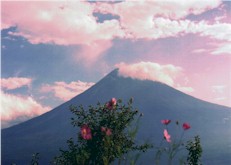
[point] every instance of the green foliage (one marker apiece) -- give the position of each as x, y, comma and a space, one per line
35, 159
106, 133
194, 151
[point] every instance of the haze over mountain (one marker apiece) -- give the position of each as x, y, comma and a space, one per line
45, 134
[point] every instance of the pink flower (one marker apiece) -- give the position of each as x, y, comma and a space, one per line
86, 132
186, 126
111, 103
167, 136
107, 131
166, 122
103, 129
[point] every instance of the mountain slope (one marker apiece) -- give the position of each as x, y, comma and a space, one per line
46, 133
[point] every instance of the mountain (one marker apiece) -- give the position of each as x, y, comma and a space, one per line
45, 134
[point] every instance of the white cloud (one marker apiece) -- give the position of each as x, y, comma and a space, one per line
174, 9
220, 31
65, 91
168, 74
185, 89
220, 98
150, 71
222, 49
160, 19
218, 88
221, 94
199, 51
16, 109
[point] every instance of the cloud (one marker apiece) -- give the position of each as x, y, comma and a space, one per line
160, 19
134, 11
74, 23
16, 109
221, 94
150, 71
220, 98
15, 82
185, 89
61, 23
91, 53
218, 88
64, 91
222, 49
168, 74
199, 51
219, 31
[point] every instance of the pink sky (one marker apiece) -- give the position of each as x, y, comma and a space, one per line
185, 44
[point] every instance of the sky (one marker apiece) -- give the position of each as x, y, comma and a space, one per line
52, 51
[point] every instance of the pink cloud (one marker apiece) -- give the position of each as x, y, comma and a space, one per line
65, 24
73, 22
59, 23
150, 71
5, 26
16, 109
15, 82
90, 53
62, 23
212, 83
64, 91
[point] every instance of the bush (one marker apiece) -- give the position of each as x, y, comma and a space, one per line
107, 132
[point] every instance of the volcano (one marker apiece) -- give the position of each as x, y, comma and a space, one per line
45, 134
